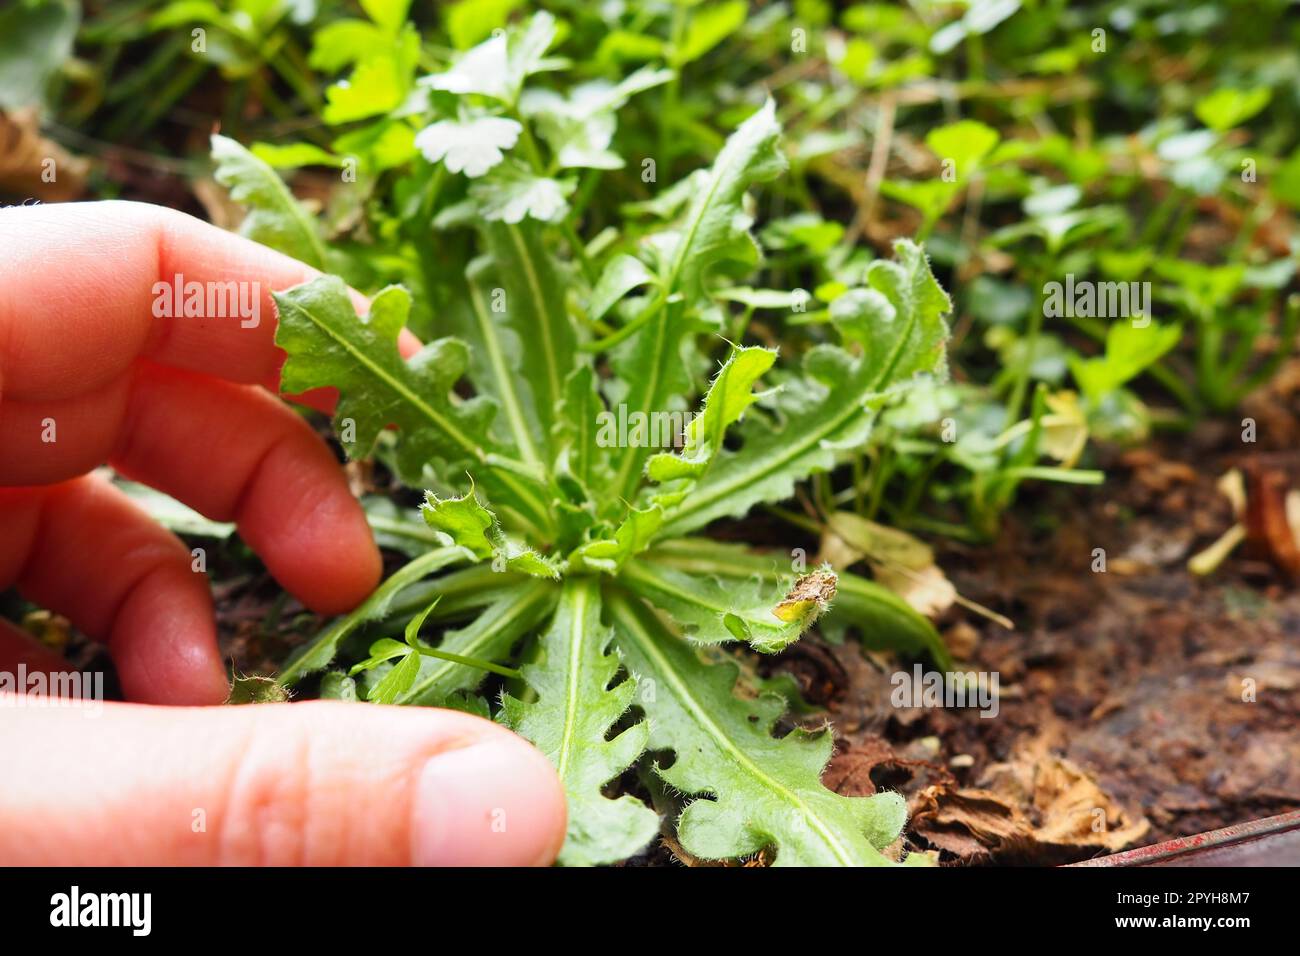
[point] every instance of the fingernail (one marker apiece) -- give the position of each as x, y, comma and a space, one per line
492, 803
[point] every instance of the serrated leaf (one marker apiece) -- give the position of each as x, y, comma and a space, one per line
715, 225
329, 346
481, 70
859, 313
579, 127
475, 528
714, 229
836, 404
754, 790
633, 535
770, 617
570, 720
273, 218
884, 620
472, 146
498, 66
729, 394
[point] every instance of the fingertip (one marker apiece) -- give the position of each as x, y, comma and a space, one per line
495, 802
314, 537
322, 783
164, 641
408, 344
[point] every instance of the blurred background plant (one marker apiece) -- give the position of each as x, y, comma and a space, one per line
1020, 141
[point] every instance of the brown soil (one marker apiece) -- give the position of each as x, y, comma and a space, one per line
1137, 704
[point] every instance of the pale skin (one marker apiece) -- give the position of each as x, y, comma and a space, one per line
189, 406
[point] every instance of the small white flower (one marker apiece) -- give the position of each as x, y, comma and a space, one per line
541, 199
469, 146
512, 193
480, 70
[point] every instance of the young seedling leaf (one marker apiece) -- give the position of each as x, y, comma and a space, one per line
489, 637
476, 529
318, 654
730, 393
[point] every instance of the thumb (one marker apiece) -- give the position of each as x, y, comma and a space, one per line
320, 783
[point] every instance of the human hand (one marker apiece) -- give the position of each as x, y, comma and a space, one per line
89, 375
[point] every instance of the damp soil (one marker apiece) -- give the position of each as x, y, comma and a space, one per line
1138, 703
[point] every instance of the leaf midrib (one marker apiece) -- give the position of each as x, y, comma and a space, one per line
548, 346
701, 717
578, 612
502, 474
679, 261
392, 382
505, 381
651, 395
679, 258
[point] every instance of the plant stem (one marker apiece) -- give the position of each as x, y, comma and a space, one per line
631, 328
426, 651
1020, 386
